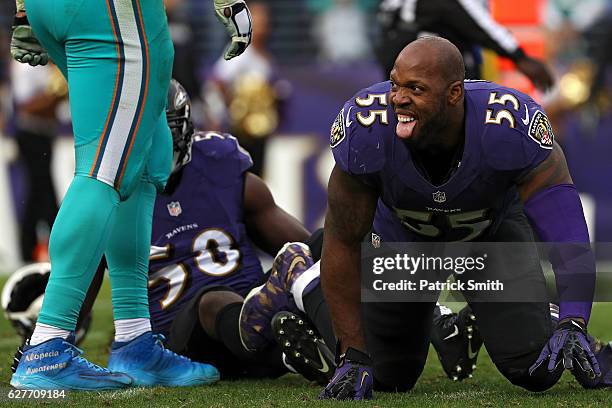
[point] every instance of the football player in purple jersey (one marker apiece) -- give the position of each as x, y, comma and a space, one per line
429, 157
203, 262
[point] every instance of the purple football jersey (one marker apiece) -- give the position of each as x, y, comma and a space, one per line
199, 237
507, 134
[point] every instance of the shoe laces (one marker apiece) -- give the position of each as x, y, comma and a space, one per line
76, 353
159, 341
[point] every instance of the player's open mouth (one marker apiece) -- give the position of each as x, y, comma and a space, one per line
405, 125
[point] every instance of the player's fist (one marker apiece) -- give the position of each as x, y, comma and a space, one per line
353, 378
25, 47
236, 18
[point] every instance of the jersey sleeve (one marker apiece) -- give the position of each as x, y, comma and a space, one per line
521, 142
357, 133
220, 158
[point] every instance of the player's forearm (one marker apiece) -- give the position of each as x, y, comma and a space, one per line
41, 105
272, 227
351, 207
268, 225
341, 284
557, 217
553, 207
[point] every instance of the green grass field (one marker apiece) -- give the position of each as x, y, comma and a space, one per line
487, 389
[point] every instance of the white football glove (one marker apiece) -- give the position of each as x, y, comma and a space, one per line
236, 18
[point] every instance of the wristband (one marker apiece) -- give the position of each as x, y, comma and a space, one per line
354, 355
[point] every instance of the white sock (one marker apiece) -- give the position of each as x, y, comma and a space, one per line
129, 329
297, 289
43, 332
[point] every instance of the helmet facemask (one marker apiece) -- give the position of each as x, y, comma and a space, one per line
178, 115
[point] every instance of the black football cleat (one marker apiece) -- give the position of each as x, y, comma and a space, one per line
603, 354
303, 349
457, 340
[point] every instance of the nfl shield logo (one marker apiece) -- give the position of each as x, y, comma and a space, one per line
439, 196
174, 208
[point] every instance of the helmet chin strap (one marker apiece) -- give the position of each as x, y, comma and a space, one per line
188, 133
186, 157
183, 158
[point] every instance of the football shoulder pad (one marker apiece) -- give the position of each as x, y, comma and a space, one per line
515, 131
359, 132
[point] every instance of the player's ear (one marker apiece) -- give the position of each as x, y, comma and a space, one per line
455, 92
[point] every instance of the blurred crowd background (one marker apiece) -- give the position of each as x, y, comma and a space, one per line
281, 96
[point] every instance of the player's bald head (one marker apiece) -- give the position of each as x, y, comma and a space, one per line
438, 55
427, 93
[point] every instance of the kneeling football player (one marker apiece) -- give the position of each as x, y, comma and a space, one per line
428, 156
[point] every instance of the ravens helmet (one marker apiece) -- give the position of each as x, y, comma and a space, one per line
178, 114
22, 298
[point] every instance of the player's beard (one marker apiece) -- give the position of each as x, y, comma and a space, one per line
430, 136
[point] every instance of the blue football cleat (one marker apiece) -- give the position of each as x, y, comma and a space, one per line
149, 363
57, 364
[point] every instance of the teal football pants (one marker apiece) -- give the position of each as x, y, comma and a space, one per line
117, 57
